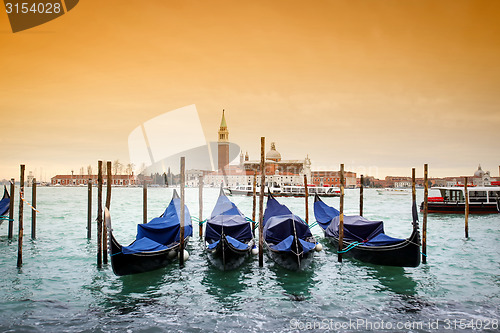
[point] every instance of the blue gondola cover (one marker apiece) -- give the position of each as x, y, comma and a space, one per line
143, 245
382, 239
5, 202
324, 213
163, 230
356, 228
227, 218
279, 226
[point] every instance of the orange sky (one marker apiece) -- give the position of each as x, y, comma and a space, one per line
380, 85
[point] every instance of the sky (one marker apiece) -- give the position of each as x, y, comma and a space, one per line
379, 85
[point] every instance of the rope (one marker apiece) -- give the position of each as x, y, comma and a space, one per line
22, 197
6, 218
350, 247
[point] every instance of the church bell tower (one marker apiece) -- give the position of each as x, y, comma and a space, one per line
223, 144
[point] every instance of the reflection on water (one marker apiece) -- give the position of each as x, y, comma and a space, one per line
227, 286
296, 286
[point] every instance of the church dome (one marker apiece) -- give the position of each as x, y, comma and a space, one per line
479, 173
273, 154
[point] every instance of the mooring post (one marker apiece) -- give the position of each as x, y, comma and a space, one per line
21, 228
144, 202
413, 186
261, 200
424, 219
307, 199
341, 217
99, 214
181, 234
33, 210
89, 209
466, 208
11, 208
200, 205
109, 182
254, 203
361, 196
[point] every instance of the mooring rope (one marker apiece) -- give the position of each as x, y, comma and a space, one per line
5, 217
22, 197
350, 247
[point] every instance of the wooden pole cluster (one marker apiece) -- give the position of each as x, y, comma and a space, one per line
89, 209
99, 214
109, 181
424, 219
261, 200
466, 208
181, 234
307, 199
341, 217
361, 196
254, 203
200, 200
21, 227
33, 211
144, 202
11, 208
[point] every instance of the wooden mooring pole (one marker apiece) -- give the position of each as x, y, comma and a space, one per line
99, 214
307, 199
89, 209
11, 208
109, 182
361, 196
413, 186
181, 233
466, 208
254, 203
144, 202
21, 228
341, 217
200, 204
261, 200
33, 211
424, 219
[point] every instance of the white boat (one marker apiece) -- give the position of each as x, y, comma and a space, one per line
395, 190
288, 191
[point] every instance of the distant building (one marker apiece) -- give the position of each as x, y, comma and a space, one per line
76, 180
332, 178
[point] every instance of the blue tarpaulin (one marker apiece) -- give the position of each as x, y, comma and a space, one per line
164, 230
227, 219
324, 213
287, 243
143, 245
280, 224
356, 228
5, 202
383, 239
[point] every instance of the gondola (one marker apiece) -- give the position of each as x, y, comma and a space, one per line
366, 241
157, 242
228, 235
287, 239
4, 205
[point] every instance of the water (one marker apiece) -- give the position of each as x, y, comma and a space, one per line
59, 288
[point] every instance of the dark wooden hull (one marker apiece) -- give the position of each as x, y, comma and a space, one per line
290, 260
126, 264
459, 208
404, 254
226, 257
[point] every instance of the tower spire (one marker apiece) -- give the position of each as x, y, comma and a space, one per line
223, 143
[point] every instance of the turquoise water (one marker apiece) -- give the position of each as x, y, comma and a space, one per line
60, 289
